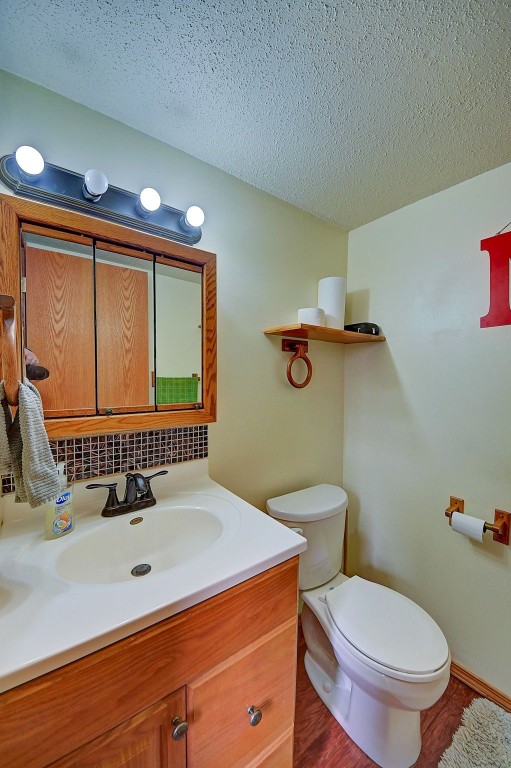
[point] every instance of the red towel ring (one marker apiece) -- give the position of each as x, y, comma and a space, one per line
299, 348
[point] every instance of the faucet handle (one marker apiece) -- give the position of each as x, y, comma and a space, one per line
112, 501
145, 482
161, 472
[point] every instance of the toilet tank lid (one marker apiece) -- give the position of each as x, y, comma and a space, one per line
309, 504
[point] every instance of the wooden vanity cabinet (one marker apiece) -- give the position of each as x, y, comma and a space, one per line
260, 680
209, 664
143, 741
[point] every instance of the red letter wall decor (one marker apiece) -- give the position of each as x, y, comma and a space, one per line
499, 250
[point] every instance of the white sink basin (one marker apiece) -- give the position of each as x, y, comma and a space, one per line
147, 542
65, 598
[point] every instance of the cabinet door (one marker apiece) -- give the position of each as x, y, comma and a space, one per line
263, 677
143, 741
60, 327
123, 316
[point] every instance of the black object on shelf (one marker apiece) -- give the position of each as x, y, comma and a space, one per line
370, 328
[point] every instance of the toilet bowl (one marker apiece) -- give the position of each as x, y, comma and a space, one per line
375, 658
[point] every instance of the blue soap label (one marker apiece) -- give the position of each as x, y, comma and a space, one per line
63, 498
62, 524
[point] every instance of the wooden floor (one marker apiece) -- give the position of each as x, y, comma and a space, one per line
320, 742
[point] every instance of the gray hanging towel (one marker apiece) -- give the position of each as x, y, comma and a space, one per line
5, 425
35, 473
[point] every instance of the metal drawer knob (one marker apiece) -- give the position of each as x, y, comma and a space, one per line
255, 715
180, 728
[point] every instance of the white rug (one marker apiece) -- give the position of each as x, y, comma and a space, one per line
483, 739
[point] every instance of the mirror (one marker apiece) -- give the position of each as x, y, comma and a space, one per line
178, 335
123, 322
58, 321
124, 331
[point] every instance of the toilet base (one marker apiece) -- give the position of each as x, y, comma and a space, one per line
391, 737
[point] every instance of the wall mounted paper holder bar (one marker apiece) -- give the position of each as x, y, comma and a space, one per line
501, 523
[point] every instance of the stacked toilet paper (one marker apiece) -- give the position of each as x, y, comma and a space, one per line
331, 304
332, 298
311, 316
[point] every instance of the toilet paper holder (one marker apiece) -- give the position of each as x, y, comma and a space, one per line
501, 523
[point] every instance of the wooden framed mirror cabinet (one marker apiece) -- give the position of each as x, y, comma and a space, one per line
123, 322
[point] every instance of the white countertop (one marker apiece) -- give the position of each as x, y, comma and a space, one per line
47, 621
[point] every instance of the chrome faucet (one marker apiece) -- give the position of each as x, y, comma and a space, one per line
137, 495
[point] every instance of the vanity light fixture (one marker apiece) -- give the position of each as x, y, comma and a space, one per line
194, 217
95, 184
28, 175
192, 220
30, 162
148, 202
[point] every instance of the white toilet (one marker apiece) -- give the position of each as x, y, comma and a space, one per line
374, 657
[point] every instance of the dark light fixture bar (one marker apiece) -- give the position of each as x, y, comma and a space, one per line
64, 188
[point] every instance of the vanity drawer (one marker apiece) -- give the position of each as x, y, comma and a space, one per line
261, 676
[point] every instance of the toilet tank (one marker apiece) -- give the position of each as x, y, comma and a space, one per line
320, 511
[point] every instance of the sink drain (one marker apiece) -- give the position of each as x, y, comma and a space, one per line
141, 570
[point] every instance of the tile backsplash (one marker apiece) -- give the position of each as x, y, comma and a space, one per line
123, 452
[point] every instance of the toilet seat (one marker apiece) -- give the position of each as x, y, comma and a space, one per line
387, 628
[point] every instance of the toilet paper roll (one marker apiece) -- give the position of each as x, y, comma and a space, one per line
332, 298
311, 316
472, 527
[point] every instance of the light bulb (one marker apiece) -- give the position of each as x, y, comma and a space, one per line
30, 161
194, 216
95, 184
149, 200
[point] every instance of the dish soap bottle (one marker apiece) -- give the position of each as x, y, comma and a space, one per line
59, 512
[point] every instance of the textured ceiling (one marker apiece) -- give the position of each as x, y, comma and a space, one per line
348, 109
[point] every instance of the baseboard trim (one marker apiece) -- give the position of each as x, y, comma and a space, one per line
481, 686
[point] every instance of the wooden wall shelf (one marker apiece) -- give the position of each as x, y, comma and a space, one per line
321, 333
